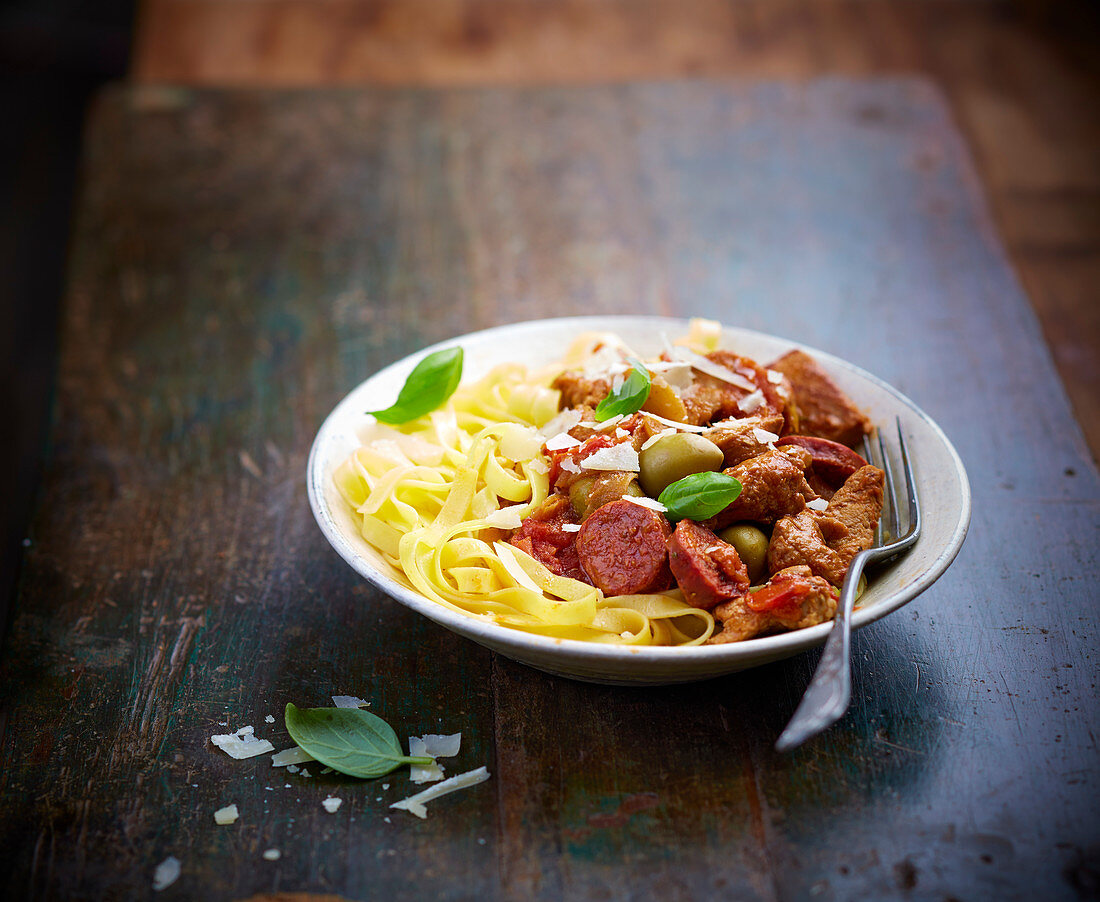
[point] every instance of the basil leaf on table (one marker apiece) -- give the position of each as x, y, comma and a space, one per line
628, 397
431, 382
700, 496
354, 742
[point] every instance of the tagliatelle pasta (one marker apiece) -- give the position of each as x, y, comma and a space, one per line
437, 496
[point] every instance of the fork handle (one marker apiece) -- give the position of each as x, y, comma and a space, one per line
827, 697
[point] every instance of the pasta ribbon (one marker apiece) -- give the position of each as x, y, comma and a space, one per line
435, 497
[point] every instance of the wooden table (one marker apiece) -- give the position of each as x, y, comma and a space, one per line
243, 258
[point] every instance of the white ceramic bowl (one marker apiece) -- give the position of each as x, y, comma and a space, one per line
942, 485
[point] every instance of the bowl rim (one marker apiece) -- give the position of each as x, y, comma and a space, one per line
593, 653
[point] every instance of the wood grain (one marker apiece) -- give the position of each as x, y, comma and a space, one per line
243, 258
1022, 80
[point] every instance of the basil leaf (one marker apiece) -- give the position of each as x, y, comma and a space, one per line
354, 742
431, 382
628, 397
700, 496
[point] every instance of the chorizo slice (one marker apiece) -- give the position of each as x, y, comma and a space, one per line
621, 547
708, 570
831, 462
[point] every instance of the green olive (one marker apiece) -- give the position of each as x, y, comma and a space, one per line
591, 492
578, 494
673, 457
752, 547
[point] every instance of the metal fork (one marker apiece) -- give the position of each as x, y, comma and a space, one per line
827, 697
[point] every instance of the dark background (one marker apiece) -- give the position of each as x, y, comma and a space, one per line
53, 56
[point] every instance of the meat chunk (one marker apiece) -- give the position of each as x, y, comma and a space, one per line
707, 570
543, 537
831, 462
792, 599
858, 505
580, 390
709, 399
800, 540
621, 548
823, 409
773, 485
738, 439
827, 542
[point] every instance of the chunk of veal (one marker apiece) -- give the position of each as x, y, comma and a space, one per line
709, 398
707, 570
621, 547
831, 462
792, 599
743, 438
773, 485
826, 542
823, 409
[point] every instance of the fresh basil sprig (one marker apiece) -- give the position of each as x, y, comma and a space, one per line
354, 742
700, 495
628, 397
431, 382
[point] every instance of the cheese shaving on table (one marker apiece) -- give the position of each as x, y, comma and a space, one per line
432, 745
291, 757
242, 744
618, 457
349, 701
423, 773
272, 854
331, 804
167, 873
414, 804
226, 815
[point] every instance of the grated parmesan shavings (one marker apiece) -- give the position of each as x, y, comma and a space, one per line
242, 744
679, 427
415, 804
751, 401
570, 527
818, 504
561, 441
167, 873
703, 365
288, 758
618, 457
505, 517
349, 701
642, 501
332, 804
764, 436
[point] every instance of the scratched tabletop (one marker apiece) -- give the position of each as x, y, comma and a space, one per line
241, 259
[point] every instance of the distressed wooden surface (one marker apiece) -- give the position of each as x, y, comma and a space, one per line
1022, 79
243, 258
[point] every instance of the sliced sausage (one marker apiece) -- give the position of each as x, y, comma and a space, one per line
707, 570
621, 547
832, 462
